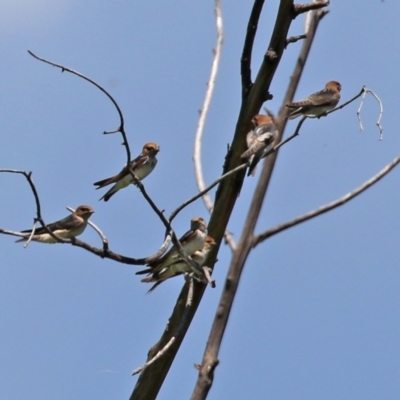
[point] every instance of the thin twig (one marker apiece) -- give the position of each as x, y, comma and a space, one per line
173, 338
155, 358
166, 223
294, 39
28, 176
121, 128
206, 272
31, 235
207, 189
12, 233
378, 123
330, 206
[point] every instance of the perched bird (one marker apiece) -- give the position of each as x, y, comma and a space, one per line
318, 103
142, 165
68, 227
180, 267
191, 241
259, 140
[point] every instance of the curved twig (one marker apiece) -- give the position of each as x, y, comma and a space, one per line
121, 128
28, 176
30, 236
198, 168
206, 105
378, 122
327, 207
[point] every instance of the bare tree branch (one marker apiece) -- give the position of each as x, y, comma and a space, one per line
245, 62
210, 358
121, 128
103, 253
327, 207
151, 379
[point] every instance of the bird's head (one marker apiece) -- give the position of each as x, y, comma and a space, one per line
334, 85
151, 149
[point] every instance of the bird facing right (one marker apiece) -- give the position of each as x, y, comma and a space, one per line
317, 103
66, 228
142, 166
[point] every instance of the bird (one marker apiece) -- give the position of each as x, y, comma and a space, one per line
317, 103
142, 166
180, 266
66, 228
259, 140
192, 241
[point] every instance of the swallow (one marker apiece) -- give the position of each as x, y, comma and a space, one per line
66, 228
142, 166
259, 140
180, 267
318, 103
192, 241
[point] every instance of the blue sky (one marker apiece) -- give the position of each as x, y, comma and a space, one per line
316, 315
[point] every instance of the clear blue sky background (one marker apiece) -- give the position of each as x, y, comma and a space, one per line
317, 312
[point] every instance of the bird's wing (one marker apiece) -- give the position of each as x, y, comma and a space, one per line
66, 223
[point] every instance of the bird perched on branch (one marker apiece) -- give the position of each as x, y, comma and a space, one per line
66, 228
180, 266
142, 165
259, 140
192, 241
318, 103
